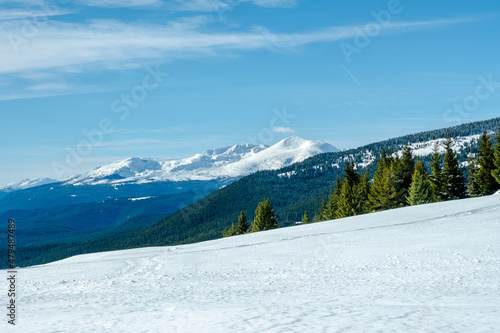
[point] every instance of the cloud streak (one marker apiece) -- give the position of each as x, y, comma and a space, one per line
96, 45
114, 45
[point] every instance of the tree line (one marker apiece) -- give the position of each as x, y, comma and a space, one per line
403, 181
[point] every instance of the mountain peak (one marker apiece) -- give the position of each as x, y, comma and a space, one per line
226, 162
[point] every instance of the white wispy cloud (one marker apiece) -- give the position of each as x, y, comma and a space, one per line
121, 3
114, 45
50, 87
285, 130
62, 47
185, 5
274, 3
38, 15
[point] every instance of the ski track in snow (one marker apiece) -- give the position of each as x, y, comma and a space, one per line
427, 268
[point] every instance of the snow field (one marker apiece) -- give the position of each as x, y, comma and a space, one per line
416, 269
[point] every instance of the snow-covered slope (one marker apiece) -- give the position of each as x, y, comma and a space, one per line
282, 154
234, 161
27, 183
431, 268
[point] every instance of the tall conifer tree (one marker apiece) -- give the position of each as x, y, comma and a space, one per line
437, 177
383, 192
403, 171
421, 190
472, 187
496, 155
453, 180
242, 224
485, 181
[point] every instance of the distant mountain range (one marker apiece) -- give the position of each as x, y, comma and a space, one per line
222, 163
107, 198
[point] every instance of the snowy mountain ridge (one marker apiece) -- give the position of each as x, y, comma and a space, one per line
27, 183
227, 162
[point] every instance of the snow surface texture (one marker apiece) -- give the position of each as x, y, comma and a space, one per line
431, 268
228, 162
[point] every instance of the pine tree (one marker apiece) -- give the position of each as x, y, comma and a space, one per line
346, 205
305, 218
323, 212
421, 190
231, 231
496, 154
265, 218
351, 174
485, 181
333, 202
403, 171
453, 181
383, 191
472, 187
362, 192
242, 224
317, 218
437, 177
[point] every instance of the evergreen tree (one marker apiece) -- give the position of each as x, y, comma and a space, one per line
383, 192
496, 154
346, 204
362, 192
333, 202
231, 231
265, 218
305, 218
351, 174
472, 187
403, 171
242, 224
437, 177
421, 190
485, 181
453, 181
323, 212
317, 218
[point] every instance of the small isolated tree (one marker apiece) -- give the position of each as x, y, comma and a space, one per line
242, 224
265, 218
305, 218
421, 190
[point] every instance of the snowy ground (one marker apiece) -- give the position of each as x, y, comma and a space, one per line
427, 268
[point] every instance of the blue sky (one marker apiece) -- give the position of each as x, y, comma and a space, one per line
85, 83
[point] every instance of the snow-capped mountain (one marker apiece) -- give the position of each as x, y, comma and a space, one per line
228, 162
27, 183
